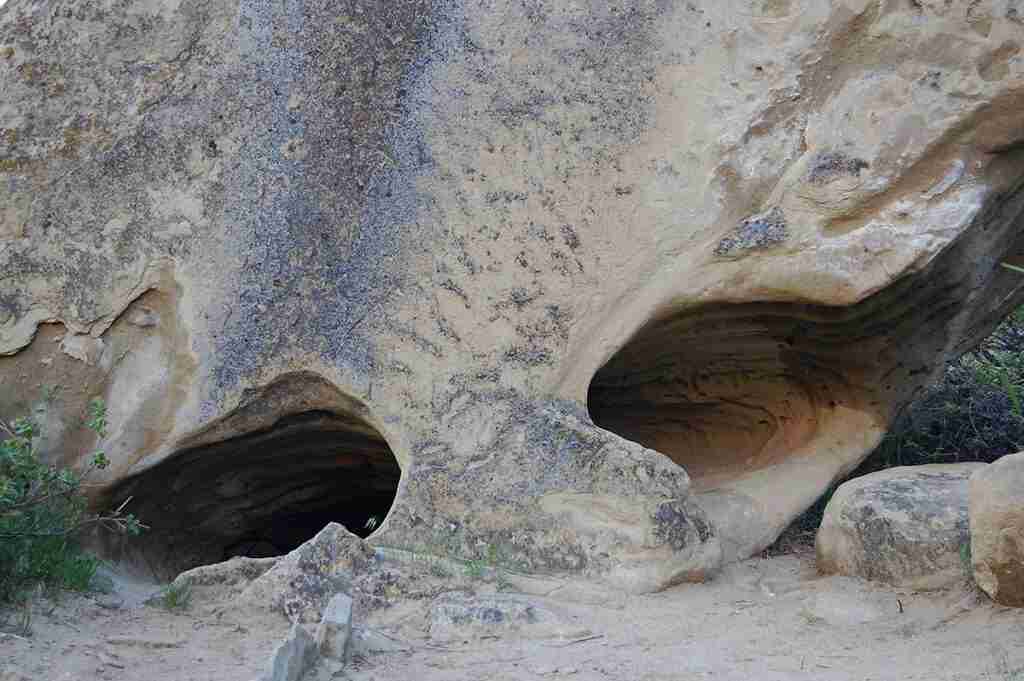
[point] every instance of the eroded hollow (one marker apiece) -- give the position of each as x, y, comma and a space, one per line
766, 404
262, 493
730, 390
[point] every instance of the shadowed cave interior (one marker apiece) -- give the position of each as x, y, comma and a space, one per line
740, 393
261, 494
729, 390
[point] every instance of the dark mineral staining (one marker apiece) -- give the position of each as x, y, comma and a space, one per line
677, 528
755, 233
528, 356
828, 165
572, 240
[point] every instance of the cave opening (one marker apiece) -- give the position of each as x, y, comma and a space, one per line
731, 391
260, 494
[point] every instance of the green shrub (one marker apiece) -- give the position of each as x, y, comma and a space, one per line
176, 595
974, 412
42, 510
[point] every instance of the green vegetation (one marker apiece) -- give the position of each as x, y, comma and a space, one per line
974, 412
476, 568
176, 596
42, 511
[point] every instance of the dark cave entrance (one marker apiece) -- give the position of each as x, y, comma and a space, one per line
261, 494
729, 390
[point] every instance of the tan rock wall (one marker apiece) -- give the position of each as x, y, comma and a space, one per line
455, 215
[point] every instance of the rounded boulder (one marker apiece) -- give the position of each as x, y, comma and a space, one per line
996, 506
905, 526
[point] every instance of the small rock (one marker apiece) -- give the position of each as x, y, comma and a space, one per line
83, 347
335, 628
143, 317
155, 644
997, 529
109, 660
371, 642
293, 657
903, 526
456, 616
110, 602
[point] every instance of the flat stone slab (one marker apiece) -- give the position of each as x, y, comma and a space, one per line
460, 616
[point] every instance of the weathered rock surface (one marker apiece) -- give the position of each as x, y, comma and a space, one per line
905, 526
371, 642
12, 673
457, 616
295, 655
335, 628
610, 288
235, 572
997, 529
302, 584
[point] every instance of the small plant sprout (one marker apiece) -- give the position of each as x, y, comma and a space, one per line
176, 595
97, 420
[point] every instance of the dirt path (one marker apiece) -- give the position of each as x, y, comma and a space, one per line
764, 620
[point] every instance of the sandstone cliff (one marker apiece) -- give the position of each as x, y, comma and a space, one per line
613, 287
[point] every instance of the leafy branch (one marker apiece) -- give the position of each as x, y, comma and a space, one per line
43, 508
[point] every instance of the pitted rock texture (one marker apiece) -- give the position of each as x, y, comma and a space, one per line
477, 235
997, 529
301, 584
905, 526
458, 617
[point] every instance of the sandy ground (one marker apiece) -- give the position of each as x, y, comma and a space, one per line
763, 620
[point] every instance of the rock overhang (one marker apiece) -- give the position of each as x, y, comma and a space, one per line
456, 221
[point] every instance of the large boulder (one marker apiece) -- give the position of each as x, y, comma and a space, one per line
604, 288
302, 584
904, 526
997, 529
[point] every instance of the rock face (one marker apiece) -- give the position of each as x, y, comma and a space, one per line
904, 526
611, 288
997, 529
